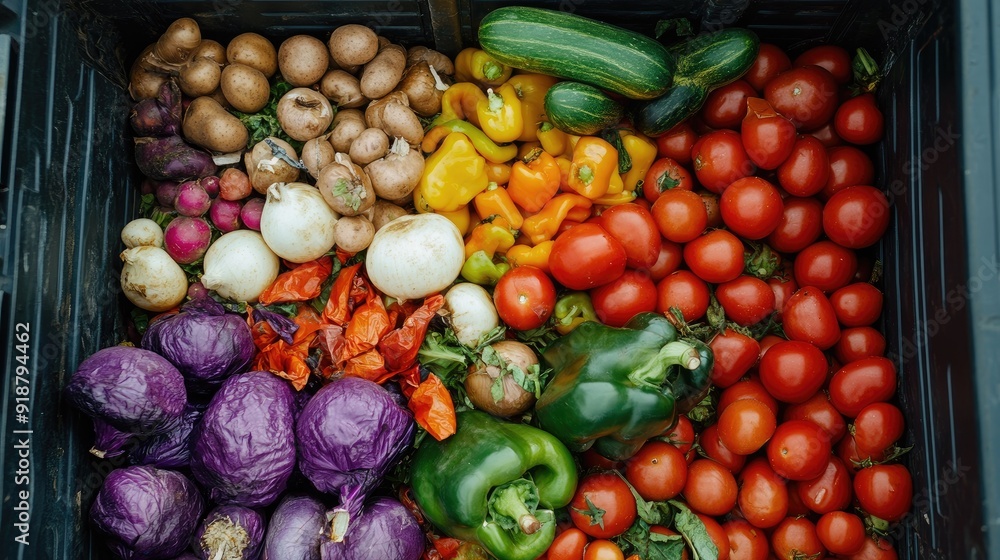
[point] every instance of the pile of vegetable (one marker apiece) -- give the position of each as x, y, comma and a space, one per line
539, 301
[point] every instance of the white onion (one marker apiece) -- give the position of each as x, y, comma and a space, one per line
142, 232
151, 279
297, 224
239, 266
415, 256
472, 312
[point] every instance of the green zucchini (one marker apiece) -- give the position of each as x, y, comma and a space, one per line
704, 63
581, 109
577, 48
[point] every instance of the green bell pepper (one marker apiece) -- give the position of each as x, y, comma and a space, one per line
480, 269
486, 483
614, 388
571, 310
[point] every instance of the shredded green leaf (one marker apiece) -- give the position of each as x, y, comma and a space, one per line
694, 532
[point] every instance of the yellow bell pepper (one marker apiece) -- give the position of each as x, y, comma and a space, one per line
498, 173
594, 162
500, 114
544, 225
531, 90
553, 140
461, 218
525, 255
496, 201
474, 65
453, 175
623, 197
564, 165
459, 102
484, 145
643, 153
493, 236
615, 185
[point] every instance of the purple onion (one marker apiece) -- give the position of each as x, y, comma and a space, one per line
186, 239
166, 193
192, 199
160, 116
250, 214
225, 214
211, 185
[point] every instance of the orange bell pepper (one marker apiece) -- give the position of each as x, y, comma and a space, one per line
594, 162
534, 181
553, 140
494, 236
496, 201
544, 225
498, 173
525, 255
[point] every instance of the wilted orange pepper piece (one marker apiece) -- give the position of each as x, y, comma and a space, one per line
544, 225
496, 201
284, 358
594, 161
537, 256
534, 181
302, 283
433, 408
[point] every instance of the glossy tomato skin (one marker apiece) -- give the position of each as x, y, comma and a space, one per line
746, 542
682, 436
715, 257
605, 491
726, 106
751, 207
710, 488
859, 120
586, 256
849, 166
768, 137
808, 316
834, 59
827, 135
667, 261
745, 426
603, 549
713, 448
746, 300
680, 215
841, 532
861, 383
807, 95
664, 175
719, 159
858, 342
825, 265
676, 144
568, 545
856, 216
877, 427
800, 225
624, 297
830, 491
807, 168
799, 450
711, 202
793, 371
735, 353
633, 227
857, 305
875, 550
525, 297
749, 388
685, 291
885, 491
657, 471
763, 495
795, 537
783, 287
770, 62
820, 411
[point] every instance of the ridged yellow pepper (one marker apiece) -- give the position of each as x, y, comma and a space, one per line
500, 114
453, 175
484, 145
643, 153
531, 90
474, 65
496, 201
459, 102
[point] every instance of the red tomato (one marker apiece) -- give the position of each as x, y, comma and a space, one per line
859, 120
770, 62
658, 471
715, 257
735, 353
684, 291
861, 383
792, 371
858, 342
745, 426
717, 534
667, 261
746, 300
835, 59
751, 207
603, 550
713, 448
763, 495
800, 225
591, 459
726, 106
849, 166
847, 452
710, 488
795, 505
682, 435
841, 532
825, 265
624, 297
807, 168
607, 492
680, 215
568, 545
586, 256
633, 227
524, 298
830, 491
746, 542
768, 137
875, 550
820, 411
857, 305
664, 175
885, 491
799, 450
827, 135
750, 388
719, 159
877, 427
796, 537
808, 316
856, 216
806, 95
676, 144
711, 201
783, 287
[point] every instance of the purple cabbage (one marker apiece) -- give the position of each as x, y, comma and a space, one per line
348, 436
187, 556
171, 449
160, 116
131, 389
147, 513
296, 529
108, 441
172, 158
244, 447
230, 533
385, 529
206, 344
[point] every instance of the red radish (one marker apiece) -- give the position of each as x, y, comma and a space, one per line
225, 214
186, 239
250, 214
210, 184
166, 192
192, 200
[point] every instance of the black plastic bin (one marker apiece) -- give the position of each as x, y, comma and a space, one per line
69, 185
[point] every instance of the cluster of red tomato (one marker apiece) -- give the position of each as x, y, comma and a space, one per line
798, 460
